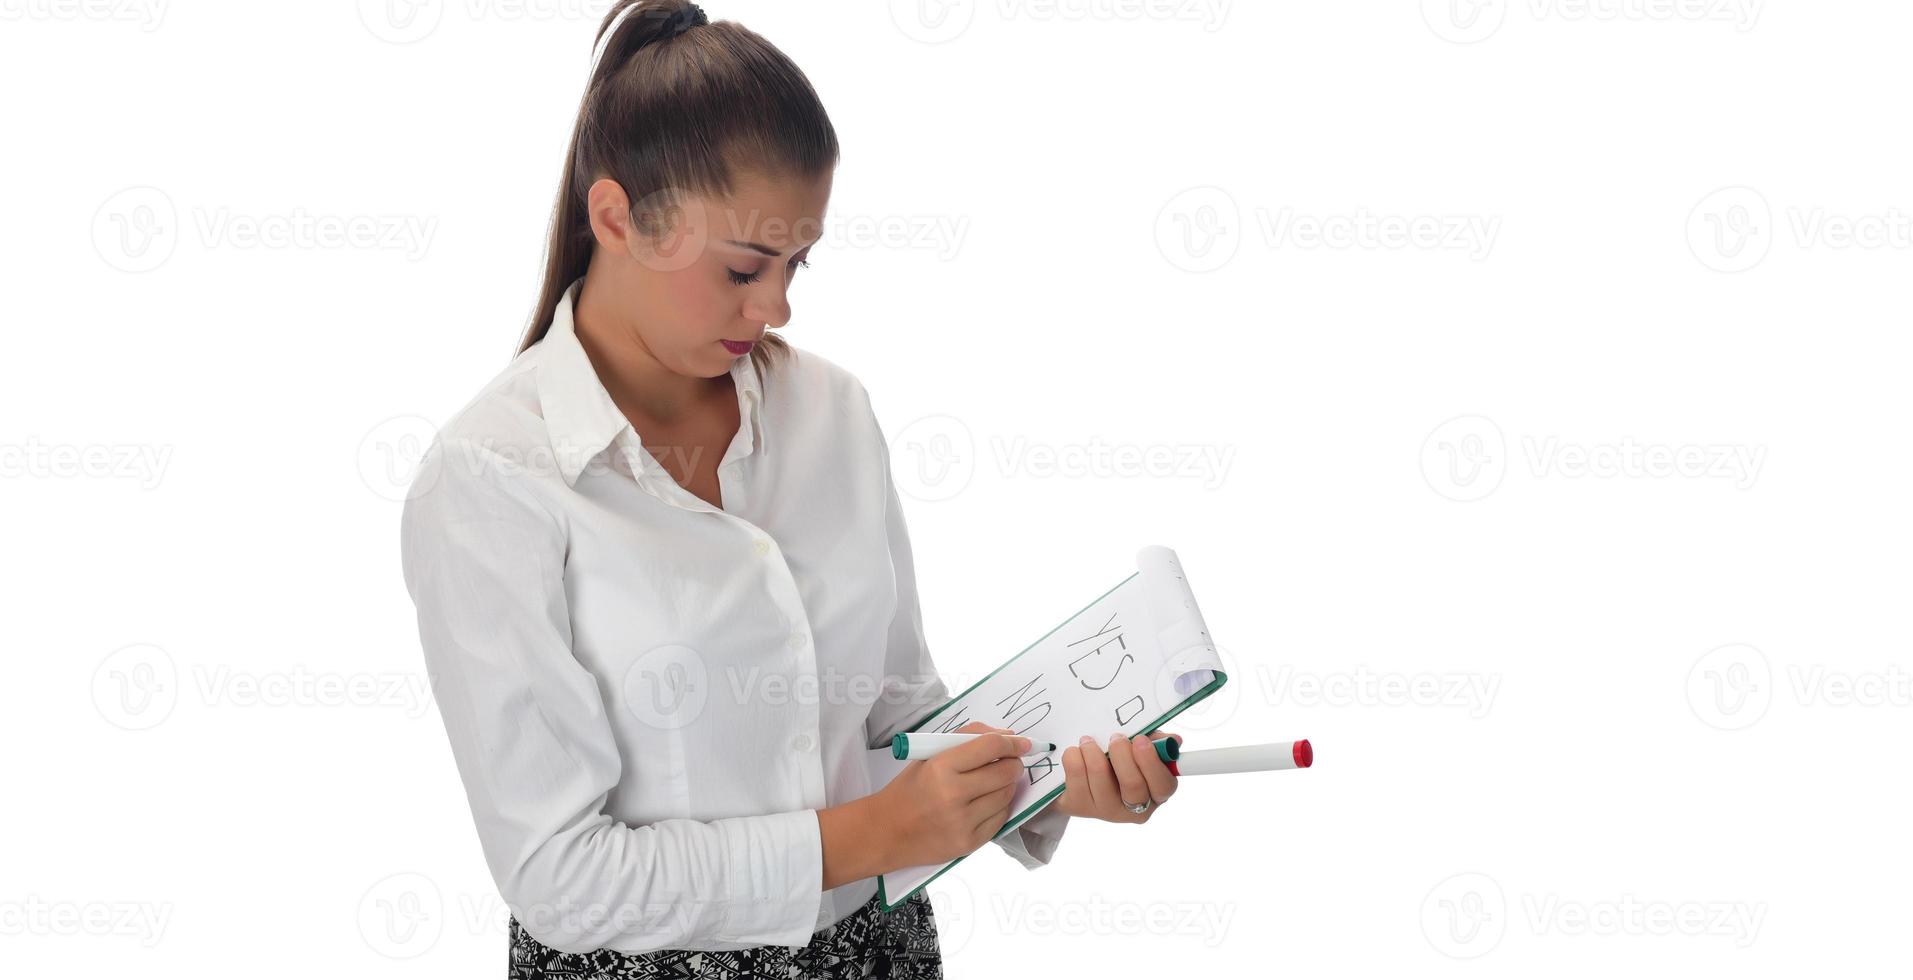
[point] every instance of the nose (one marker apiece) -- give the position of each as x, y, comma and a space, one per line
768, 303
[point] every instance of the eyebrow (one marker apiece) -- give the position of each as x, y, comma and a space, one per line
762, 249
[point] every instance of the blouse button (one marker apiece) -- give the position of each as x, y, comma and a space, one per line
797, 639
761, 546
801, 743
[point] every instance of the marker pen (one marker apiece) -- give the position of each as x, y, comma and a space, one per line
924, 745
1298, 754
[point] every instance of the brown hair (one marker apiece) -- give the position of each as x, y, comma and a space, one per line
672, 108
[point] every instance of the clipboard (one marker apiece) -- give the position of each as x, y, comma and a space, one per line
1133, 658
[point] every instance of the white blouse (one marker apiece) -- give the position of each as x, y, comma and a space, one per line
649, 698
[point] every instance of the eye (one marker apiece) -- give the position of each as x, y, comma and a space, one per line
742, 278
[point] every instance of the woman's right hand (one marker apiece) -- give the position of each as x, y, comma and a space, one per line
946, 806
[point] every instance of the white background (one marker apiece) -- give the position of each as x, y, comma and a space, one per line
1542, 365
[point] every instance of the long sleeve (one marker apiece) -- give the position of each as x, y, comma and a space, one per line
912, 687
484, 563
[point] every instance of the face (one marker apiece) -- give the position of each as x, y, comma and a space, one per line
704, 293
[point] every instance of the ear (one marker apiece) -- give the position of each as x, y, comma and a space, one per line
661, 231
610, 212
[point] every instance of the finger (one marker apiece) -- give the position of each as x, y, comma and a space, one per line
990, 807
1122, 760
985, 749
988, 827
1076, 799
1100, 779
1159, 733
1155, 772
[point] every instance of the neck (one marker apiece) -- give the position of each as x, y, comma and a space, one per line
636, 380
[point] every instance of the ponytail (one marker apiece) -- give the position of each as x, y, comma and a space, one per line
677, 104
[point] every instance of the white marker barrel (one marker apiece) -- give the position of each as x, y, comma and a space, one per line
1245, 758
925, 745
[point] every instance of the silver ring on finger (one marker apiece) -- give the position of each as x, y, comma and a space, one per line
1136, 807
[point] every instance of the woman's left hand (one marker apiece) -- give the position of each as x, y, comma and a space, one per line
1098, 785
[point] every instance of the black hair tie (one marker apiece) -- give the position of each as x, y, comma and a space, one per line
683, 19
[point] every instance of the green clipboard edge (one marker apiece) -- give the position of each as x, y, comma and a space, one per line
1205, 691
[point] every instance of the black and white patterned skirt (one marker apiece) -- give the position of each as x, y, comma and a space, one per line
900, 944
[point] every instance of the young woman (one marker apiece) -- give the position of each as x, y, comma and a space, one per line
664, 586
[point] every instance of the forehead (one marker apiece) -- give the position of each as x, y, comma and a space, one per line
779, 211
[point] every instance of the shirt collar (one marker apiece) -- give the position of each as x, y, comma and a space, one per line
580, 416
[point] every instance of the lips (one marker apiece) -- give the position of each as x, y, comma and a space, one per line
738, 347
